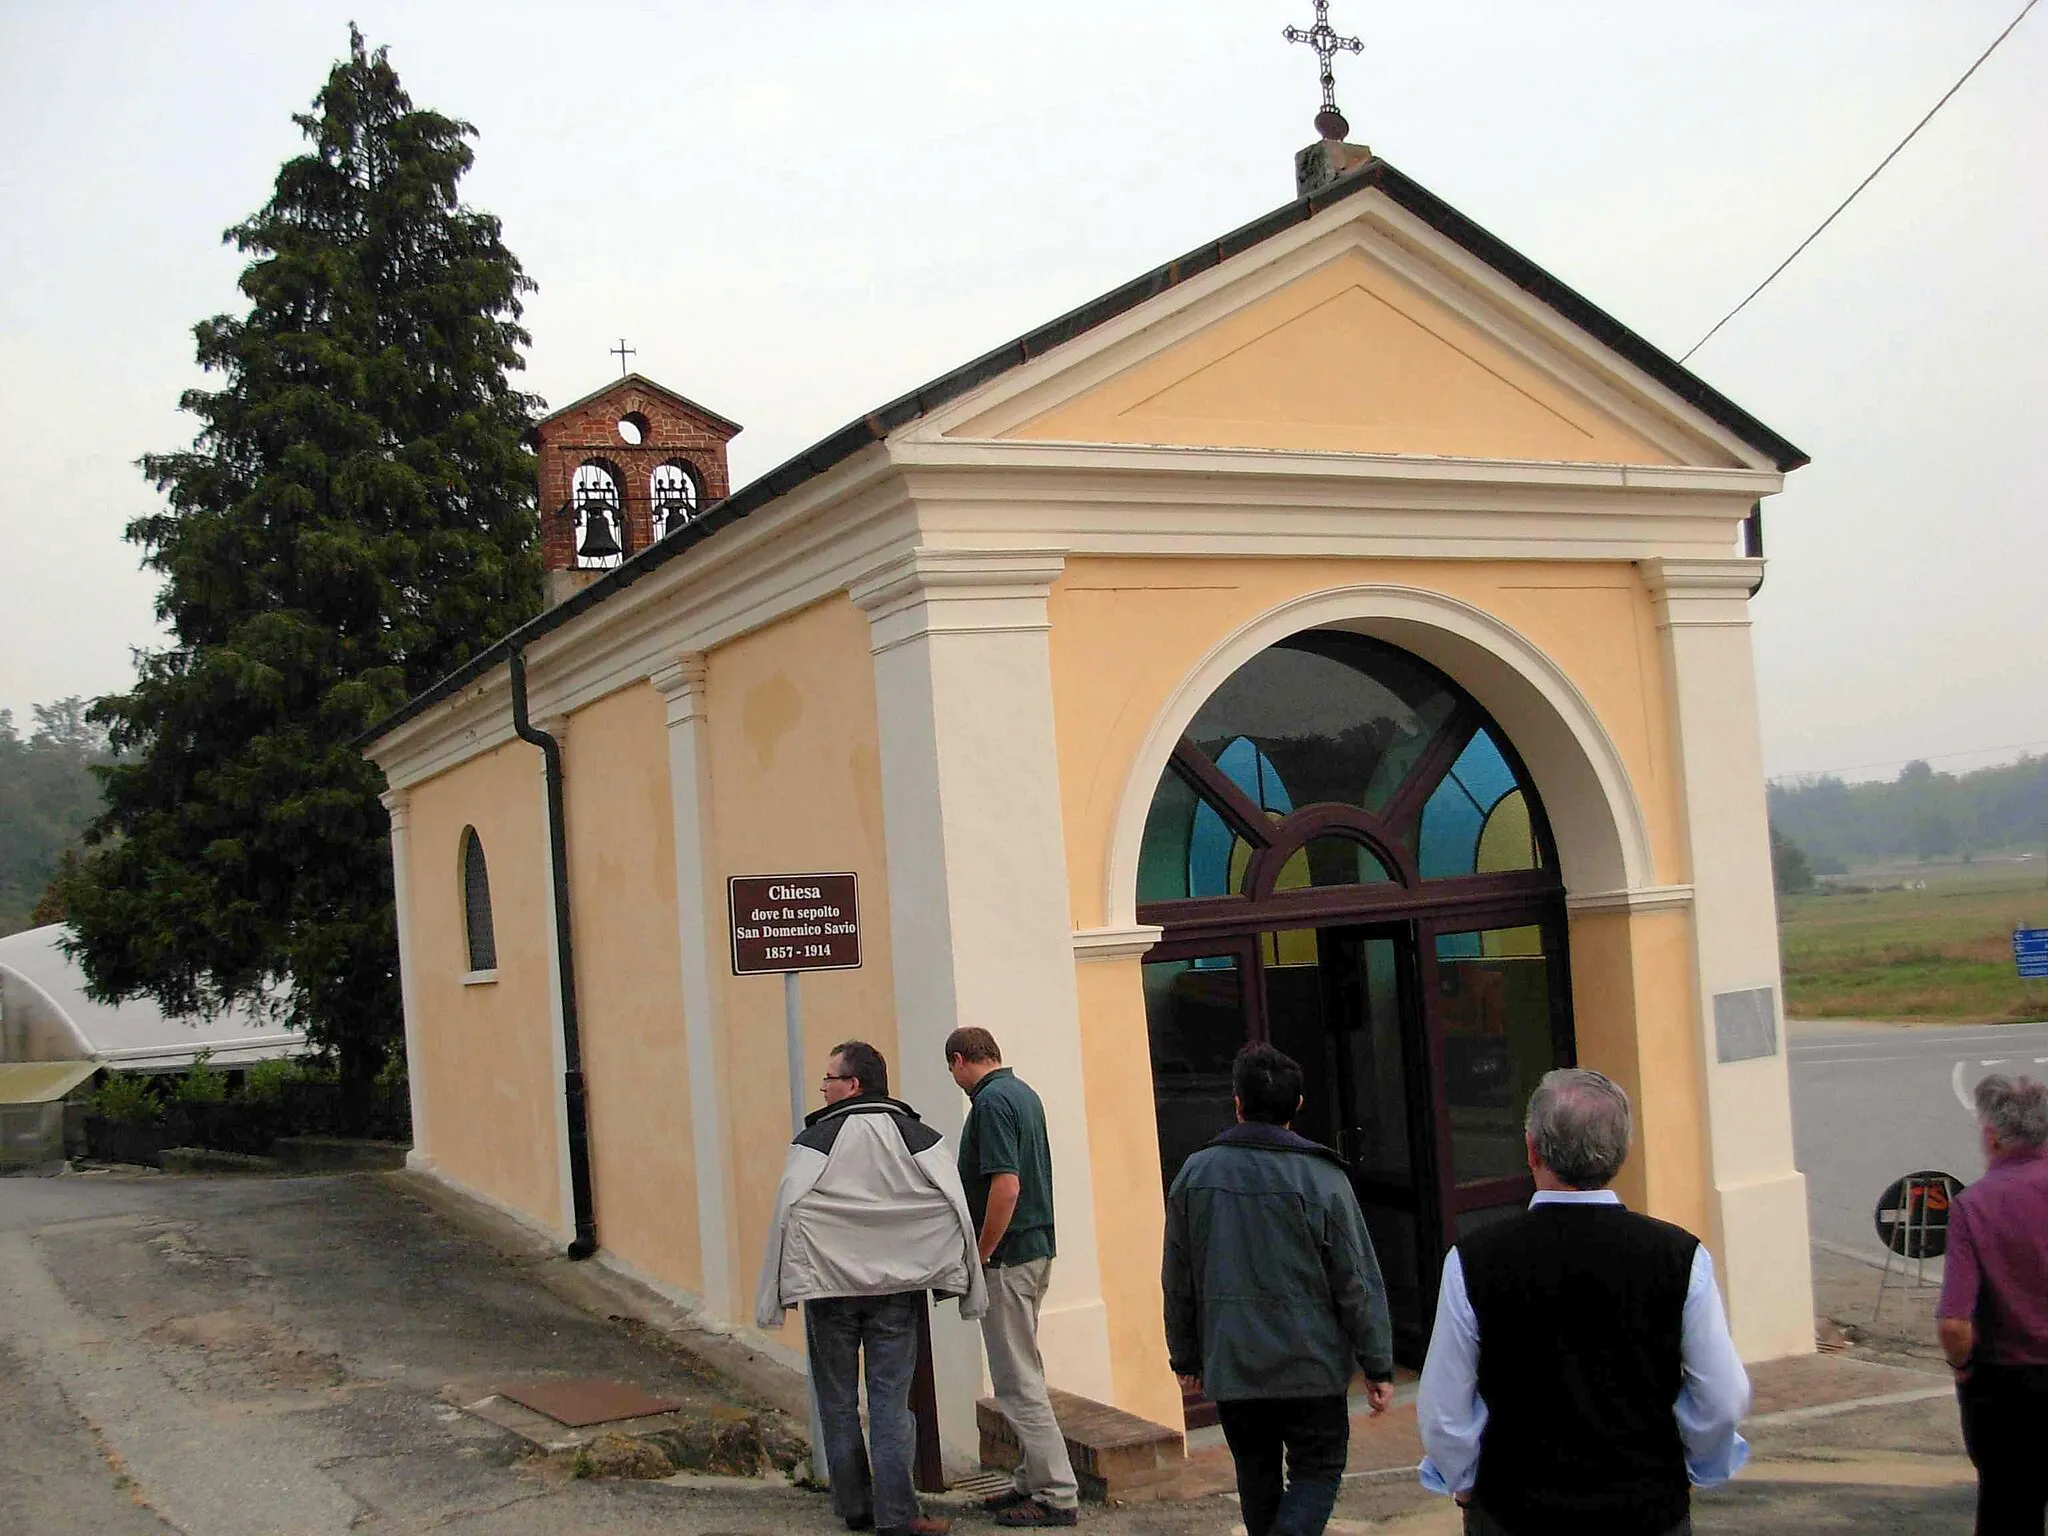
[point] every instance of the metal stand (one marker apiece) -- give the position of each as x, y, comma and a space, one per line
793, 1032
1910, 1227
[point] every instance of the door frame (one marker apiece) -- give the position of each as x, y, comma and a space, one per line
1415, 924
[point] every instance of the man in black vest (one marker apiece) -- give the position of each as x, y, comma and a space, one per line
1580, 1378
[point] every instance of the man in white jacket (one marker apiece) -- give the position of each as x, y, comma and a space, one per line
870, 1216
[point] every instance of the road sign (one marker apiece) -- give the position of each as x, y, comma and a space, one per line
2030, 951
789, 923
1912, 1214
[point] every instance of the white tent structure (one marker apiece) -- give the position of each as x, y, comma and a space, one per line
45, 1015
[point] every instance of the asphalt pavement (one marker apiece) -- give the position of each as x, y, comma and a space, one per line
1871, 1102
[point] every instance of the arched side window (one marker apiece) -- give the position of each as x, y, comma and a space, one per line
678, 497
478, 935
598, 510
1332, 759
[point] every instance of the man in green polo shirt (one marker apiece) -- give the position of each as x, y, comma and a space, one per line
1006, 1169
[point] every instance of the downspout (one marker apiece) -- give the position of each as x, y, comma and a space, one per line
585, 1243
1753, 541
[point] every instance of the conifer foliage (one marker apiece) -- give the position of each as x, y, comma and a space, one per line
353, 521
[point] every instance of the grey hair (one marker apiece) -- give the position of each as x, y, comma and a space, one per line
2015, 1109
1579, 1122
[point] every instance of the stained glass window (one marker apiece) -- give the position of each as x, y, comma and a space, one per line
1331, 720
1476, 822
1337, 717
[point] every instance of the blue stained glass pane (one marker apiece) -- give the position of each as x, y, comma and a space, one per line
1483, 771
1209, 844
1449, 844
1455, 813
1457, 946
1253, 772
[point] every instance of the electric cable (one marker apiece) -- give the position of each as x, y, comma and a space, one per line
1866, 181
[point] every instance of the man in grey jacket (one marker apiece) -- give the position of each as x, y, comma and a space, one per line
1273, 1293
870, 1216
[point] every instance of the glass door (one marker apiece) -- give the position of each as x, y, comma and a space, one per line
1344, 1008
1499, 1019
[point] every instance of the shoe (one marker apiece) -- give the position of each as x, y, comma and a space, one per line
1029, 1512
860, 1522
1004, 1500
923, 1525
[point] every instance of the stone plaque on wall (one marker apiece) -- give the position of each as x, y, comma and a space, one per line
1745, 1024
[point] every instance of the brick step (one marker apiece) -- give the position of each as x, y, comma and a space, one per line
1116, 1455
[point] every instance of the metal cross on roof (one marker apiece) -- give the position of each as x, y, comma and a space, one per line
622, 352
1324, 39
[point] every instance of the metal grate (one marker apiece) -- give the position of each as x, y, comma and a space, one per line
476, 904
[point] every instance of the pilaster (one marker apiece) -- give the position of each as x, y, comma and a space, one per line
981, 926
682, 685
1759, 1195
397, 804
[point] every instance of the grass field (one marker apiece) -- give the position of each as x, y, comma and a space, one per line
1939, 954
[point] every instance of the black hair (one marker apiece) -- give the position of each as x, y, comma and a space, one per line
1267, 1083
866, 1065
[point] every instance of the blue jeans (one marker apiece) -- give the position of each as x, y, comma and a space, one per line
1315, 1433
837, 1330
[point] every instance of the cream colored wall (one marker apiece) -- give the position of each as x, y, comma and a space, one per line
629, 984
1632, 980
486, 1060
1125, 632
796, 787
1348, 358
1130, 1203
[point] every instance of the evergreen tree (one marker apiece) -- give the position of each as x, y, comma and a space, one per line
353, 521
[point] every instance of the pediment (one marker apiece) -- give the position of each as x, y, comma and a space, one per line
1356, 338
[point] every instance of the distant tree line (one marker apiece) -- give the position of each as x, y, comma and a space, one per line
47, 795
1919, 815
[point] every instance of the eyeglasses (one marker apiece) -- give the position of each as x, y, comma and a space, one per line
842, 1077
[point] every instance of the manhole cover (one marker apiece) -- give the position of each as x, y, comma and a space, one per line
588, 1400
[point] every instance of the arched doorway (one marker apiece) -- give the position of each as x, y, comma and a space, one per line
1347, 858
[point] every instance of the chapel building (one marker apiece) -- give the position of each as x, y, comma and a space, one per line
1338, 636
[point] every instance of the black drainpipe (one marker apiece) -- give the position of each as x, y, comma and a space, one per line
565, 964
1753, 541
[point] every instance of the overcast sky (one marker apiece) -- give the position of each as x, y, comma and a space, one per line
794, 212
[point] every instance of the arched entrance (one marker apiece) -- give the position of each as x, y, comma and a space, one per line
1347, 858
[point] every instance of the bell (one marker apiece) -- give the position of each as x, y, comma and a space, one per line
599, 542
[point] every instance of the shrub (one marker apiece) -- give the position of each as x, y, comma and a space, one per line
200, 1083
125, 1099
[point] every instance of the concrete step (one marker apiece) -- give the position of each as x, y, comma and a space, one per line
1116, 1455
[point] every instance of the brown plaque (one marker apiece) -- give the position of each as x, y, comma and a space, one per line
793, 923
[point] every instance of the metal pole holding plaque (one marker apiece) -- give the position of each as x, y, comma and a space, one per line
791, 924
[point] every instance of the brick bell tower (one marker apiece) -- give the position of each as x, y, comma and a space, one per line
622, 467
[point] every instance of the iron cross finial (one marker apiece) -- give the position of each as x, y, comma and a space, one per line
622, 352
1324, 39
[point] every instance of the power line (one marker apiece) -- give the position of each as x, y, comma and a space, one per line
1866, 181
1924, 757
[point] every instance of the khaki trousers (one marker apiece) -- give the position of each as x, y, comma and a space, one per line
1010, 1330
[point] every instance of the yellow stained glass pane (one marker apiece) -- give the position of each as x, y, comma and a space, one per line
1296, 946
1507, 841
1512, 943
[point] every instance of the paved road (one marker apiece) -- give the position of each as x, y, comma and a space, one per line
1873, 1101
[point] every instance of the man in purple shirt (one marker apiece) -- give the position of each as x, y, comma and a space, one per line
1994, 1308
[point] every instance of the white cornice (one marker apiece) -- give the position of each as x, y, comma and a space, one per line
1649, 898
1696, 593
954, 591
1115, 943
